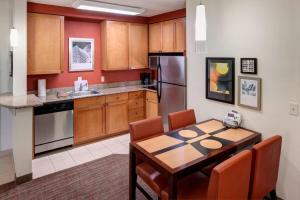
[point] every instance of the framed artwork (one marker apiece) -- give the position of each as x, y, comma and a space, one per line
249, 65
220, 75
81, 54
249, 92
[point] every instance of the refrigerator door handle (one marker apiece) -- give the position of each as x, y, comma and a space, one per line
159, 83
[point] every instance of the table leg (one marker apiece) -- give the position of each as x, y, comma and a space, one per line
172, 187
132, 176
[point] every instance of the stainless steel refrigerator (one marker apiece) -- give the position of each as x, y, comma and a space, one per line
171, 83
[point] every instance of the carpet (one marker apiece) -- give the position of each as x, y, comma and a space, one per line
105, 178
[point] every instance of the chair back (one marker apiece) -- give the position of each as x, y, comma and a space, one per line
146, 128
231, 178
265, 166
181, 119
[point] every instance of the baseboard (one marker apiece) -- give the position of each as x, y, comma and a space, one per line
23, 179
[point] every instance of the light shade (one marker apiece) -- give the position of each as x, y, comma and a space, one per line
200, 25
14, 37
106, 7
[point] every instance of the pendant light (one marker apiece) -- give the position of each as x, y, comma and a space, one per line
200, 26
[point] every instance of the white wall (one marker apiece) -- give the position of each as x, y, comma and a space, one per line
5, 81
270, 31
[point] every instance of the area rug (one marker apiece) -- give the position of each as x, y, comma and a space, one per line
105, 178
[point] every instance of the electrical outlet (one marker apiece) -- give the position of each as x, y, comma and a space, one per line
294, 109
102, 79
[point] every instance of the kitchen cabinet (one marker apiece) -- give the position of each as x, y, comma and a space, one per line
136, 108
138, 46
115, 45
180, 35
89, 119
167, 36
45, 39
116, 113
155, 38
151, 104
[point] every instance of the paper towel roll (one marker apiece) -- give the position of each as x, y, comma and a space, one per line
42, 87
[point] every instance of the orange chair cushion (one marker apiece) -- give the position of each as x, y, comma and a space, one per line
265, 166
181, 119
192, 187
151, 177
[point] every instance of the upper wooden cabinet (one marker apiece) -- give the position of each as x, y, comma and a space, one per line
155, 38
115, 44
168, 36
45, 44
124, 45
180, 35
138, 46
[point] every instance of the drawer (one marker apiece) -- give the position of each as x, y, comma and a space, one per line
136, 114
136, 95
89, 102
151, 96
136, 103
117, 97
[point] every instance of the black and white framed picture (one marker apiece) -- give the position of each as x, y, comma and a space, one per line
220, 75
249, 92
249, 65
81, 54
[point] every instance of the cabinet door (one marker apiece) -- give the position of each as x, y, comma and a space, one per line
45, 44
117, 55
168, 36
138, 46
151, 109
89, 123
155, 38
116, 117
180, 35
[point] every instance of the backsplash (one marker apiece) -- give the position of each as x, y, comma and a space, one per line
83, 29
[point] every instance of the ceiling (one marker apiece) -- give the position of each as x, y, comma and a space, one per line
152, 7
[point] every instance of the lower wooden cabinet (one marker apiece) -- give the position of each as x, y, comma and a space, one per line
89, 119
151, 104
99, 117
116, 117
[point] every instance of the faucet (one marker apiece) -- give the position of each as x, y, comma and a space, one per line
82, 85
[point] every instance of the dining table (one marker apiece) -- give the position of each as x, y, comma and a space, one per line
179, 153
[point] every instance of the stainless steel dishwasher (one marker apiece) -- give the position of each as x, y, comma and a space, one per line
53, 126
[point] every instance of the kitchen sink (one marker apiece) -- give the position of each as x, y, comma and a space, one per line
84, 93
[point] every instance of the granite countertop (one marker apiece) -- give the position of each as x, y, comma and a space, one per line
102, 92
31, 100
9, 101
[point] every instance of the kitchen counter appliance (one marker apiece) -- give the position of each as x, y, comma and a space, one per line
171, 82
53, 126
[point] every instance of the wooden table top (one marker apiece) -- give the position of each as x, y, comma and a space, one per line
180, 149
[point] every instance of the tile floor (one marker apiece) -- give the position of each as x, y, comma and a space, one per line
51, 163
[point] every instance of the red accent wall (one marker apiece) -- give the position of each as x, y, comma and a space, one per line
167, 16
66, 79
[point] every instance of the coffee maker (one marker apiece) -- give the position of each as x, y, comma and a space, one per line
145, 78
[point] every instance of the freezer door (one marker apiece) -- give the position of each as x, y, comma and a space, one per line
173, 98
173, 69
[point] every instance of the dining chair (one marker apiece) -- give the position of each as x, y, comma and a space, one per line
265, 166
181, 119
229, 180
140, 130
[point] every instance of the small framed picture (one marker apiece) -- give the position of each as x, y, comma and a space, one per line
249, 65
220, 75
81, 54
249, 92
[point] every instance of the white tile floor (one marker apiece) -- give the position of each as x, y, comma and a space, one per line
69, 158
